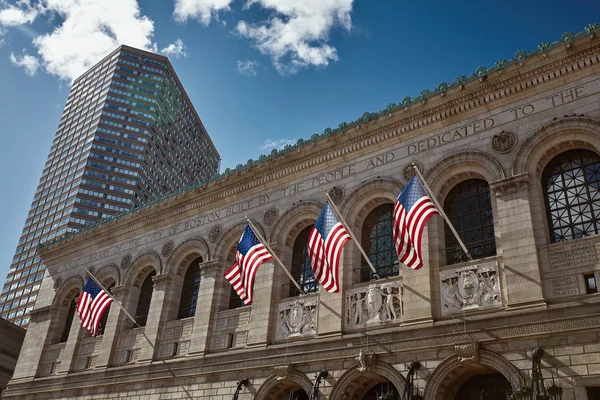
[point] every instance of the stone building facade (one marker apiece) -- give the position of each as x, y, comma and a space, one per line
10, 346
513, 155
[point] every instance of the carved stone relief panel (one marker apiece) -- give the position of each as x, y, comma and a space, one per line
470, 287
231, 328
175, 335
129, 345
296, 318
50, 359
88, 353
374, 304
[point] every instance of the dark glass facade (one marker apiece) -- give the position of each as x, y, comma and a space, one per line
128, 135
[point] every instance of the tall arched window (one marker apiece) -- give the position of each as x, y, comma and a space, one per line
143, 306
301, 268
469, 208
104, 319
234, 299
572, 193
68, 321
189, 291
378, 242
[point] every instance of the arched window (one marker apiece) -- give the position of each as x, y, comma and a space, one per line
469, 208
234, 299
143, 306
69, 321
572, 194
301, 268
378, 242
104, 319
189, 292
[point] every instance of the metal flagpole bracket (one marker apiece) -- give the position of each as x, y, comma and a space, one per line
243, 383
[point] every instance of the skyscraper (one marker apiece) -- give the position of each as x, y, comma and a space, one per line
128, 134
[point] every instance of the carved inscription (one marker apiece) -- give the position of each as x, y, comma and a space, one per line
584, 254
565, 286
396, 156
560, 257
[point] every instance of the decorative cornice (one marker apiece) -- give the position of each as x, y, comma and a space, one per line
210, 266
39, 313
513, 81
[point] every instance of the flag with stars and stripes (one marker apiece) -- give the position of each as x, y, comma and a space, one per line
92, 303
325, 243
250, 254
412, 210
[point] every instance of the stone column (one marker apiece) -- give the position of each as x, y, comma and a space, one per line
115, 323
522, 281
264, 293
156, 316
206, 306
76, 333
331, 306
36, 339
417, 296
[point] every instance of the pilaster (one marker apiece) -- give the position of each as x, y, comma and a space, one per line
417, 288
114, 323
519, 252
34, 343
156, 316
206, 306
264, 294
76, 333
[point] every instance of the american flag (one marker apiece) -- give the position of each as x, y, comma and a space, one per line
325, 243
92, 303
412, 210
250, 254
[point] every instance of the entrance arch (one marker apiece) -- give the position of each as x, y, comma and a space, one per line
448, 378
355, 384
295, 385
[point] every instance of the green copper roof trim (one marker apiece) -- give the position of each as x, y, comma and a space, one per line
480, 72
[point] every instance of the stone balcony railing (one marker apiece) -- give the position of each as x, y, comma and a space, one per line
50, 360
472, 285
231, 328
175, 338
88, 353
372, 304
129, 345
564, 265
297, 318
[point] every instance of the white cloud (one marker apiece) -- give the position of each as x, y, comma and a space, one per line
90, 29
175, 50
296, 35
14, 16
247, 68
28, 62
277, 144
202, 10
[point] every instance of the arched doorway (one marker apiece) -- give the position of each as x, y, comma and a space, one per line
382, 391
293, 386
492, 386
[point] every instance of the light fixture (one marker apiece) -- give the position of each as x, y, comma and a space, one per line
410, 391
240, 384
536, 389
318, 378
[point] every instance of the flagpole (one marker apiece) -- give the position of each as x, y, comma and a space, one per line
264, 242
343, 221
441, 211
113, 299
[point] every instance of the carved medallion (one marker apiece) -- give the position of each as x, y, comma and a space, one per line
504, 142
337, 194
409, 170
167, 249
270, 216
214, 233
126, 261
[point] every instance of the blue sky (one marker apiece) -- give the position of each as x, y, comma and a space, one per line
260, 73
